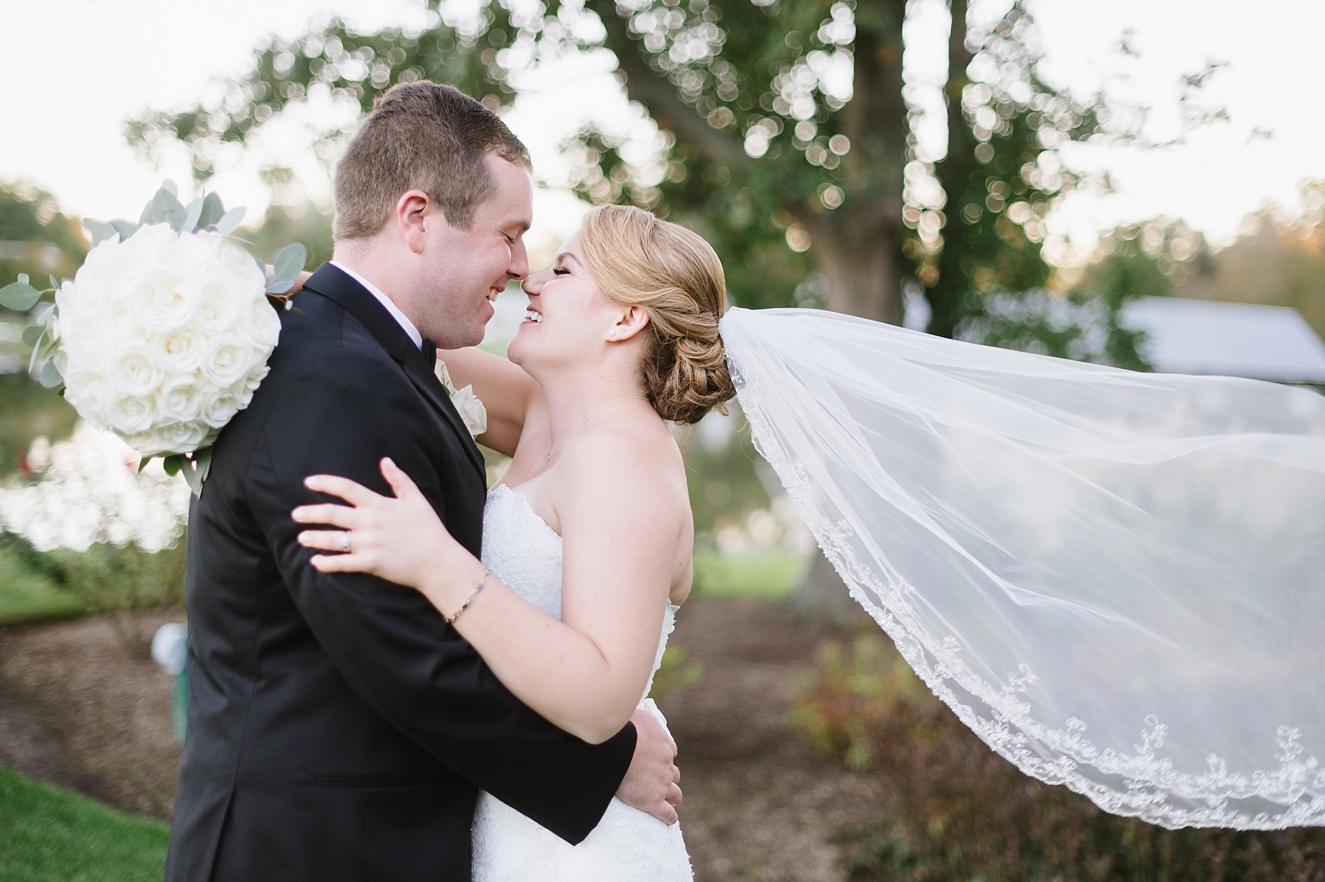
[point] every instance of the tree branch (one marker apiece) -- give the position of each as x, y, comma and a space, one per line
656, 92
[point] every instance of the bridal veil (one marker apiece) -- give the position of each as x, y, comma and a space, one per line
1115, 579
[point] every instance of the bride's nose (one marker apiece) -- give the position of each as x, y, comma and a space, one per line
534, 283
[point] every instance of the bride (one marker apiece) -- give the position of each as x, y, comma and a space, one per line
587, 539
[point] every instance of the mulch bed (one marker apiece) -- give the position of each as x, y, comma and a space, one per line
80, 708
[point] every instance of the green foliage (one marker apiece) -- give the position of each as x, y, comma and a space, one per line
337, 62
783, 138
19, 296
766, 577
675, 672
722, 479
27, 595
851, 690
121, 582
28, 412
1278, 259
960, 812
1002, 174
54, 242
303, 224
54, 835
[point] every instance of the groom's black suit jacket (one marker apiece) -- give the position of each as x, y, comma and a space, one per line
338, 728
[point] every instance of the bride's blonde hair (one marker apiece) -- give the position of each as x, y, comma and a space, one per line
676, 277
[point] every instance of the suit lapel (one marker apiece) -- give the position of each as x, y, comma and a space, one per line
358, 302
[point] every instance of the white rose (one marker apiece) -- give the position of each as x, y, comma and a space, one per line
228, 360
87, 392
179, 351
261, 324
471, 410
221, 407
129, 414
164, 298
234, 259
218, 307
132, 371
180, 399
181, 436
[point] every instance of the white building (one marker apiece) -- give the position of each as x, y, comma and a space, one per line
1230, 339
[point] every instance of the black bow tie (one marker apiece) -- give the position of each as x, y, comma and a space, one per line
430, 353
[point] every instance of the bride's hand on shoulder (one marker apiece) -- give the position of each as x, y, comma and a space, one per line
398, 538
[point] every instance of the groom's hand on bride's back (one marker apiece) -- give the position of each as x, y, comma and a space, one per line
652, 783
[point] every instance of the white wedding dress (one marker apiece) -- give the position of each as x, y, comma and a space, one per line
628, 845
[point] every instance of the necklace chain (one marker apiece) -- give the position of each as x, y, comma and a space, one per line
552, 447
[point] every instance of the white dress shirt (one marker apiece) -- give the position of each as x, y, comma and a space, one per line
399, 316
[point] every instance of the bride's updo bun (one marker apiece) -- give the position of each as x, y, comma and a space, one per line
675, 276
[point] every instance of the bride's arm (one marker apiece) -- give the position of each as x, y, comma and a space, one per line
585, 673
507, 393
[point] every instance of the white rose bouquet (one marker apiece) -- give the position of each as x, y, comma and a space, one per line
164, 332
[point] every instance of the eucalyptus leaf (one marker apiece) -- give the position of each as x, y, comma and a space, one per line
142, 463
54, 283
212, 211
50, 375
191, 215
100, 230
125, 228
290, 262
32, 334
23, 277
227, 224
280, 286
19, 296
170, 187
164, 208
194, 480
202, 461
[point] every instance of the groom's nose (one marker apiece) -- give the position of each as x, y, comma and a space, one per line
519, 266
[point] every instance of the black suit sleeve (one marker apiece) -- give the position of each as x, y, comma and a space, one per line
339, 415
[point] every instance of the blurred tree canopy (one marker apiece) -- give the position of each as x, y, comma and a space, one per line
1278, 259
36, 237
785, 134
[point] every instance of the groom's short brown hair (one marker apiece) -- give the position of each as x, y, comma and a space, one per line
420, 136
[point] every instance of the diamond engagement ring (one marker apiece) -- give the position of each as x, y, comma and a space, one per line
345, 542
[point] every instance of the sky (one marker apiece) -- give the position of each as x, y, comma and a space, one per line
74, 70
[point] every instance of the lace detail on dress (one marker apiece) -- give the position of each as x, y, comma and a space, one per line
628, 845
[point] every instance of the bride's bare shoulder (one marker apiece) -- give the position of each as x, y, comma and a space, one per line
639, 461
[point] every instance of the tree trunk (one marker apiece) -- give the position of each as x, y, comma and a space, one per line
954, 176
858, 247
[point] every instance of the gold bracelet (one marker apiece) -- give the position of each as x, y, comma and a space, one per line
450, 620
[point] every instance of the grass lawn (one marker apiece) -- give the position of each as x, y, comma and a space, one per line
52, 835
28, 596
768, 577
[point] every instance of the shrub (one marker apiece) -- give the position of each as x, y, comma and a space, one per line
121, 582
958, 811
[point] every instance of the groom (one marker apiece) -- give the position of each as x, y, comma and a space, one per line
338, 728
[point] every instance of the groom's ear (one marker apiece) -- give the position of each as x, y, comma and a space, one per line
412, 218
